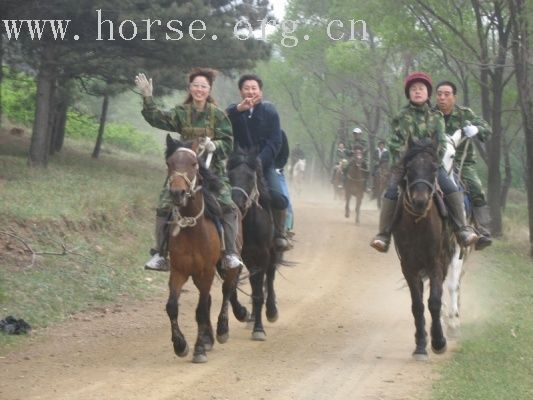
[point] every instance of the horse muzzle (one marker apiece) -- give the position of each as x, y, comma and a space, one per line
179, 197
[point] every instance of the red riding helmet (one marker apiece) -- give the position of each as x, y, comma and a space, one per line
417, 76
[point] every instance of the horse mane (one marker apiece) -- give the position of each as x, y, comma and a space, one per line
425, 145
211, 184
252, 160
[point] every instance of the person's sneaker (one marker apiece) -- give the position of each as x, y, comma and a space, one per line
381, 243
157, 263
232, 261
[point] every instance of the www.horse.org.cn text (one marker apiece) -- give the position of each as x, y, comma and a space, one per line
175, 29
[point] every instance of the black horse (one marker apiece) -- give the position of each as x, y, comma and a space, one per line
424, 241
251, 195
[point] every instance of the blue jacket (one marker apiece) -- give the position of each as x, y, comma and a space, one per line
261, 130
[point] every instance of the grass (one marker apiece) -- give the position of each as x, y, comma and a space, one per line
495, 358
101, 211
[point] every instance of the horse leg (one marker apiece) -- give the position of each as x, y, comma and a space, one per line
175, 283
256, 281
271, 308
454, 287
416, 287
358, 201
205, 338
438, 341
347, 205
228, 289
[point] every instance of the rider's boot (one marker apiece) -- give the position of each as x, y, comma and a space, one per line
482, 219
159, 261
230, 224
280, 237
465, 234
382, 240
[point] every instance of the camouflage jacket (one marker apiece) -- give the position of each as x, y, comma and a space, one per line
459, 118
189, 123
416, 122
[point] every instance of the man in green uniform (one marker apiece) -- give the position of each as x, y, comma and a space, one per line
197, 117
457, 117
357, 140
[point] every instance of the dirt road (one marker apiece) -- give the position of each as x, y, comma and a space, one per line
345, 332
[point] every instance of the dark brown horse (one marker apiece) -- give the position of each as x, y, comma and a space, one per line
424, 242
250, 193
354, 183
194, 243
381, 180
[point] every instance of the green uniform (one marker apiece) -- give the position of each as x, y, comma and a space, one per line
458, 119
190, 123
415, 122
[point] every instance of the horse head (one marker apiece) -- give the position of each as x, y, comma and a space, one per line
183, 171
245, 174
421, 165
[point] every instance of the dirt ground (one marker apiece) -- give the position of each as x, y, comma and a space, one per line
345, 332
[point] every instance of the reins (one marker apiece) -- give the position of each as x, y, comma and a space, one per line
408, 201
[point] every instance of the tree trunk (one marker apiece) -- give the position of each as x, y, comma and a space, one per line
524, 83
1, 74
39, 147
60, 118
103, 117
494, 155
59, 136
508, 177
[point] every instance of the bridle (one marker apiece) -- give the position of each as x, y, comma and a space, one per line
408, 201
179, 220
251, 198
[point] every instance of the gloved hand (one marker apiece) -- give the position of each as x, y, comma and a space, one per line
470, 131
210, 146
144, 85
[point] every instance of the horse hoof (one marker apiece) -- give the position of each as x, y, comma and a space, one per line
181, 353
272, 317
259, 336
222, 338
199, 359
420, 356
441, 348
243, 317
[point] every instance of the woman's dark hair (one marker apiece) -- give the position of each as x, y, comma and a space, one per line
250, 77
207, 73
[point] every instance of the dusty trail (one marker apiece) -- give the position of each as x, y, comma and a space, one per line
345, 332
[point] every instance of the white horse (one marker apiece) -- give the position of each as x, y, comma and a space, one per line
298, 172
455, 269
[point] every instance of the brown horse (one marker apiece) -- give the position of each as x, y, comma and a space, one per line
354, 183
381, 180
424, 242
194, 243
